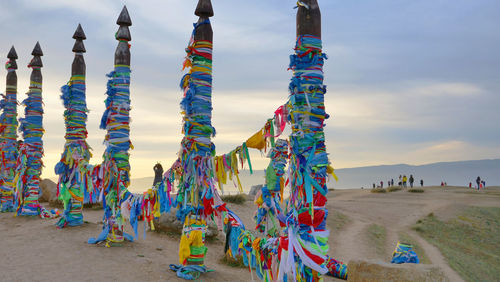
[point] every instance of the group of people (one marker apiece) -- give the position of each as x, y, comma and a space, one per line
403, 180
480, 183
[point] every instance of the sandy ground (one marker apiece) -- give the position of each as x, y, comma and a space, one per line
32, 249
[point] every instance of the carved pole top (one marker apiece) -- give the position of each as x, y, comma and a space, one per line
79, 36
78, 67
124, 18
122, 53
12, 56
12, 53
204, 32
37, 53
204, 9
124, 22
308, 18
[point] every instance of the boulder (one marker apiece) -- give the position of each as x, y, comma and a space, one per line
212, 230
168, 223
254, 189
48, 190
373, 271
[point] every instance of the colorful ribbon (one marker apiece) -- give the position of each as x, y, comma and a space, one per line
404, 254
31, 153
269, 197
196, 194
74, 169
8, 146
113, 175
299, 252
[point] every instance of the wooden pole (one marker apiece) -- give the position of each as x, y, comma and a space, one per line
78, 66
32, 149
122, 53
198, 130
309, 160
72, 168
309, 18
204, 11
8, 136
116, 120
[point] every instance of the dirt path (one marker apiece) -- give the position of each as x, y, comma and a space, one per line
397, 212
436, 257
34, 250
350, 244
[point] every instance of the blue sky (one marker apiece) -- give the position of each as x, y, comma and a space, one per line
408, 81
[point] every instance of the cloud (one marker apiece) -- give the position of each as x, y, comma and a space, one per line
411, 86
448, 89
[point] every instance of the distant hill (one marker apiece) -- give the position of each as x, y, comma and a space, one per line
247, 181
453, 173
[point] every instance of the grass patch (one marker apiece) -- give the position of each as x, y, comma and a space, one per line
406, 238
470, 243
378, 190
393, 189
232, 262
337, 220
376, 235
416, 190
235, 199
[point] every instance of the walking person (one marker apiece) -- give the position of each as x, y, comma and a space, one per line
404, 181
421, 183
411, 180
478, 181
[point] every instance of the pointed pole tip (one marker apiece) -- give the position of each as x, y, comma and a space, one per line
37, 51
12, 53
124, 17
79, 34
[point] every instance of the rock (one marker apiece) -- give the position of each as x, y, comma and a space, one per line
48, 189
254, 190
168, 223
212, 230
359, 270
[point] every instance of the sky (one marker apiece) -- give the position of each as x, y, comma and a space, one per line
408, 81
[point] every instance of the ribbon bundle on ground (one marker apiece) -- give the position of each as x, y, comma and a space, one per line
404, 254
115, 169
336, 268
73, 169
31, 153
8, 146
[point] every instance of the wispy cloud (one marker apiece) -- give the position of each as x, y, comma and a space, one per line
411, 86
